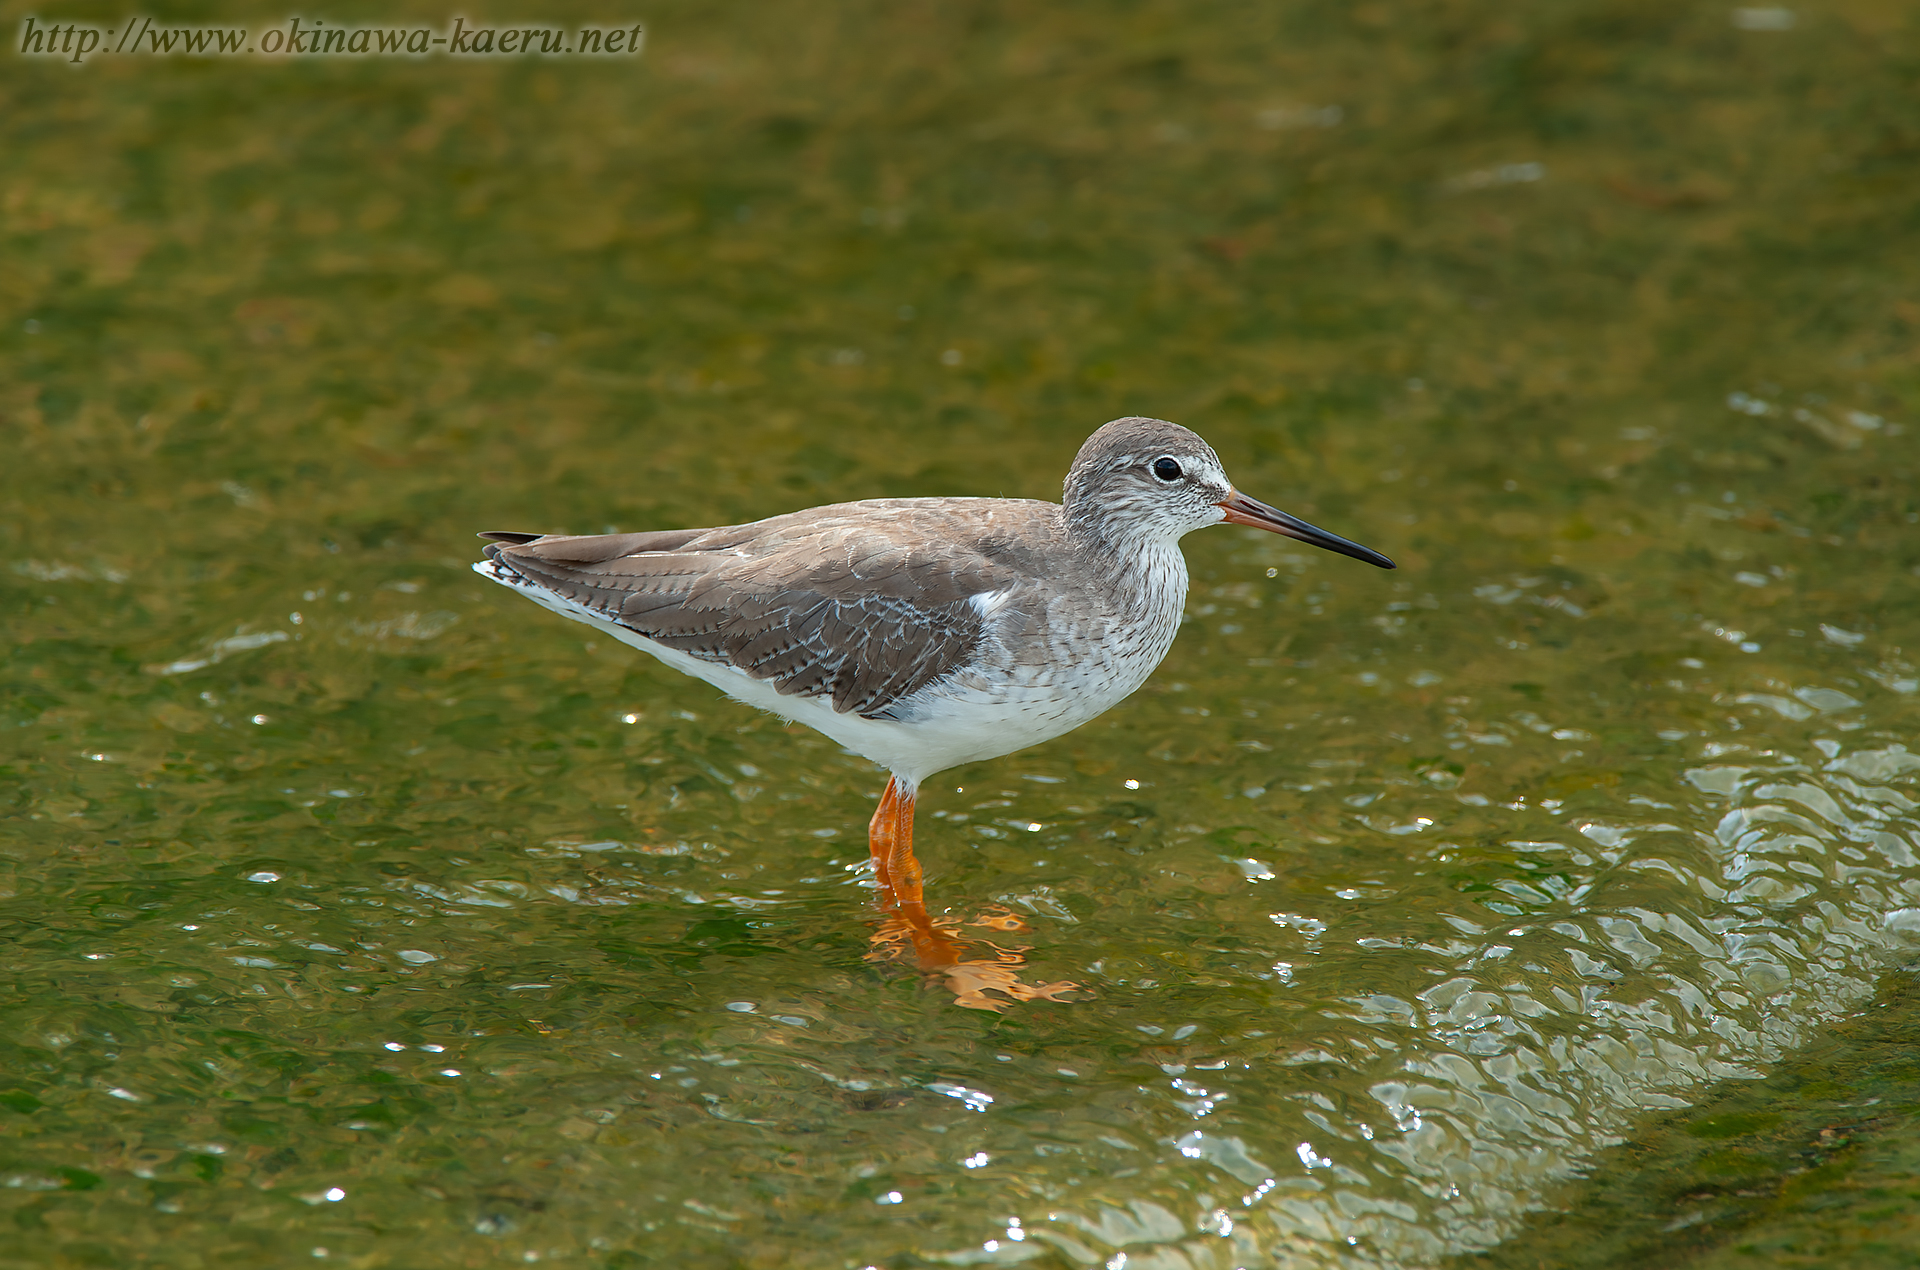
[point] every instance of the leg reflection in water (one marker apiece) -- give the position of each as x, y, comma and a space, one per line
990, 979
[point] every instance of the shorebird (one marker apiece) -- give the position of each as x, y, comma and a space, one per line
921, 633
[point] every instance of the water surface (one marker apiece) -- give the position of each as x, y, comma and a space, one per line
357, 910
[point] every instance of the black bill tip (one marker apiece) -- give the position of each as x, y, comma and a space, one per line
1241, 510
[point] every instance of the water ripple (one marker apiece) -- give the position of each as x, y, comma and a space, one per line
1677, 957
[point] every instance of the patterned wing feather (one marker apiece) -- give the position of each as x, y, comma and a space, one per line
849, 612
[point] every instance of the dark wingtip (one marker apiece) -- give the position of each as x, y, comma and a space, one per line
508, 536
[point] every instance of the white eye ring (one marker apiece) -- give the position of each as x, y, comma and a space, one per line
1166, 468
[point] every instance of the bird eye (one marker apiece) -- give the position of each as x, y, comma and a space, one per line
1166, 469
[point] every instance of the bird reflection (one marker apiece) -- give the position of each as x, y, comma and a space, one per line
981, 974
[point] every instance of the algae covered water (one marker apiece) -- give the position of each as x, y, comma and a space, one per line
356, 911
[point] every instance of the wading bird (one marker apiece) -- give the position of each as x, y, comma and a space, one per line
921, 633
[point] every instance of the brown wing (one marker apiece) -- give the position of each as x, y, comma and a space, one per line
850, 609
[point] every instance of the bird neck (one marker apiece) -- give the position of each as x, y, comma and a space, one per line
1136, 560
1102, 520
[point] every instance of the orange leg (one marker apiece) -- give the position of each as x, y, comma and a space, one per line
903, 869
880, 835
890, 840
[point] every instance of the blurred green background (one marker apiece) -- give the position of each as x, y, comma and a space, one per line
1599, 316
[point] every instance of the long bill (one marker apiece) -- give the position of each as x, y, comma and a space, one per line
1241, 510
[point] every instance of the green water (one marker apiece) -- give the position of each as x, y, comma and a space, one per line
360, 912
